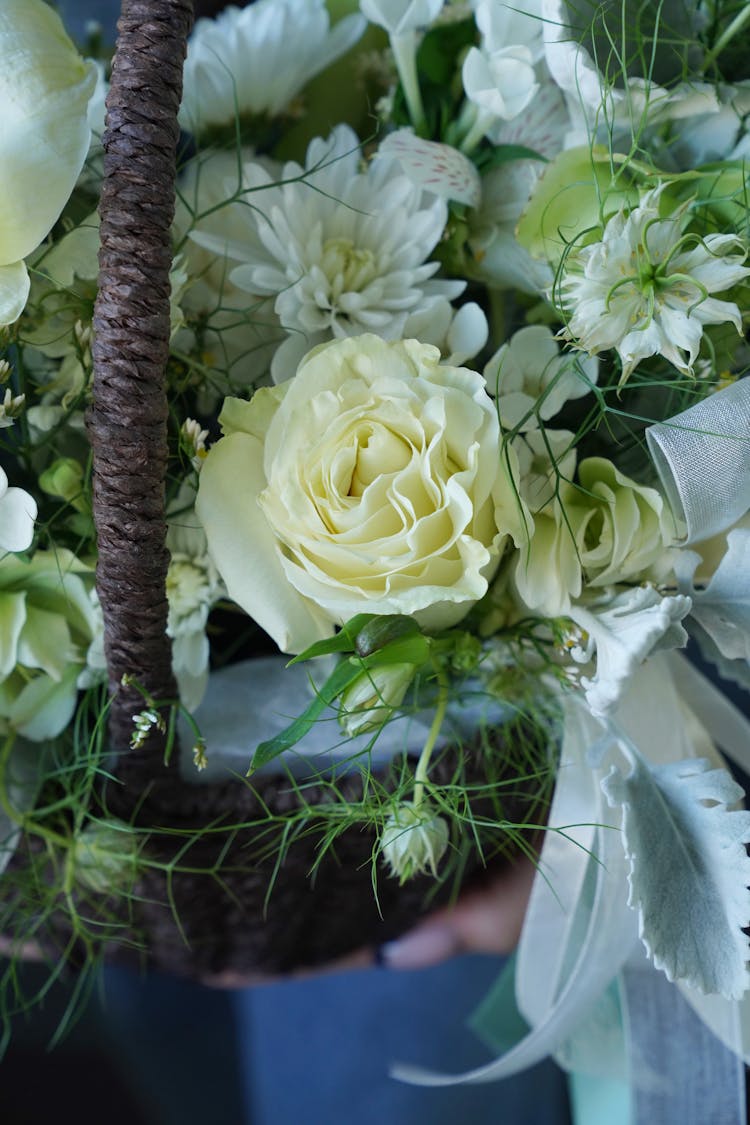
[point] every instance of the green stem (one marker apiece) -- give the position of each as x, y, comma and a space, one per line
727, 36
420, 776
404, 49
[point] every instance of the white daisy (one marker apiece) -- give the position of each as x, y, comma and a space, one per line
340, 251
255, 60
644, 289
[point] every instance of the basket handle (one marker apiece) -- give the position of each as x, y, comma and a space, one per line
127, 420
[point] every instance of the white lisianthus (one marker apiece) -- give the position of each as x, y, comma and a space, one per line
604, 530
255, 60
643, 291
413, 842
621, 632
340, 251
546, 459
400, 16
500, 83
369, 483
45, 86
18, 511
532, 380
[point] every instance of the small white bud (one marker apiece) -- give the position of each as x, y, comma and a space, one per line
372, 698
413, 841
105, 856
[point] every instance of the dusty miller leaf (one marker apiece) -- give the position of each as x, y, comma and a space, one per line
689, 871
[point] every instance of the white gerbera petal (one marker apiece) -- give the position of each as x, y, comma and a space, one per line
256, 59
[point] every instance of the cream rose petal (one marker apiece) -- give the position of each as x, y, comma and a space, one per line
243, 545
45, 87
14, 291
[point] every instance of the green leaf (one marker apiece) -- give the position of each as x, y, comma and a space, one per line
343, 675
343, 641
503, 154
413, 649
380, 631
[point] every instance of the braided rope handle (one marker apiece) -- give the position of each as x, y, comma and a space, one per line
128, 416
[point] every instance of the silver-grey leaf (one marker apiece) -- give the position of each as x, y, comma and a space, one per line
689, 870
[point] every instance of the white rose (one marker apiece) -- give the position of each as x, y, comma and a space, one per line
44, 90
368, 483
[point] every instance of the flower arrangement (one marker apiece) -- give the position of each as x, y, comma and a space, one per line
457, 420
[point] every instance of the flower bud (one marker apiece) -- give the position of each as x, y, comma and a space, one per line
105, 856
413, 842
372, 698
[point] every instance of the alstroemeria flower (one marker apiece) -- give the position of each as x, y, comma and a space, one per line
643, 291
45, 87
437, 167
369, 483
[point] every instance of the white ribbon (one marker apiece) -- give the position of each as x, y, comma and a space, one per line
571, 948
702, 457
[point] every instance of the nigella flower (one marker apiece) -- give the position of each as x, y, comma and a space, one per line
256, 60
645, 288
340, 251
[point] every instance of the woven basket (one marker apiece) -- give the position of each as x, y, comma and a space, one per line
215, 914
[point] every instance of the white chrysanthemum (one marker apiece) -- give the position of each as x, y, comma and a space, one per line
644, 289
256, 60
193, 588
341, 251
17, 514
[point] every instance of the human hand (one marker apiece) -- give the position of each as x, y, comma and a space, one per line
486, 919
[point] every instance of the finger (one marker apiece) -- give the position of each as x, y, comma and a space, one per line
486, 920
